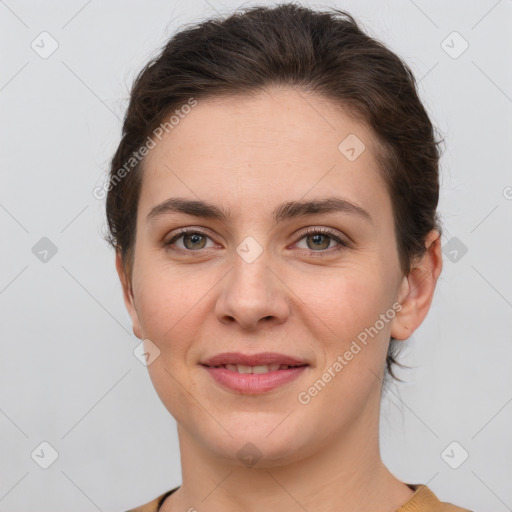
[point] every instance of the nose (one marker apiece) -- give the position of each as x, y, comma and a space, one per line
253, 295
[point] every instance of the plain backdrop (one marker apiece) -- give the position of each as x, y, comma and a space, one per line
72, 393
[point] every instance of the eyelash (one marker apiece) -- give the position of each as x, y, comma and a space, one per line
312, 231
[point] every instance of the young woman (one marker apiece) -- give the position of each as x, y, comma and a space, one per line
272, 204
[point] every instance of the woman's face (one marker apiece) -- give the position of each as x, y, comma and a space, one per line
256, 282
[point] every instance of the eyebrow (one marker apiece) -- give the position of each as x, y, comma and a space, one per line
285, 211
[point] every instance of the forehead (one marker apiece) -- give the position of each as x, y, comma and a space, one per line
283, 142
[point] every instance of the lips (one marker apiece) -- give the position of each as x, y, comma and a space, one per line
253, 373
253, 360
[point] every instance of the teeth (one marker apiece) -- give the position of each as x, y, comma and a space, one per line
264, 368
241, 368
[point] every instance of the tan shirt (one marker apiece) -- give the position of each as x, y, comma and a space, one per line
423, 500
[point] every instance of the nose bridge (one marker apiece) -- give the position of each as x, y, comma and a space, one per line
252, 292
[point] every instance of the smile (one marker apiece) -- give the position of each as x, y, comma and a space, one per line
263, 368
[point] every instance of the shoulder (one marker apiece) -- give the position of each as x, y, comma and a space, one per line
424, 500
153, 505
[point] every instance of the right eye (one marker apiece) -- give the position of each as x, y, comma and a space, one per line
193, 240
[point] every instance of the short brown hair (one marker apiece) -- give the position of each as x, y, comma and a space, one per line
322, 52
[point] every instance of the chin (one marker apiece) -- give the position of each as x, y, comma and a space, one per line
253, 444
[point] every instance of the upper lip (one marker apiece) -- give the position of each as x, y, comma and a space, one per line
263, 358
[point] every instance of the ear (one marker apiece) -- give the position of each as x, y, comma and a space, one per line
128, 295
417, 289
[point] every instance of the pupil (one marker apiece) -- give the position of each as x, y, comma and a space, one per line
318, 240
194, 239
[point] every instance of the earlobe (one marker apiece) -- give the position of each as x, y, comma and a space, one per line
399, 328
128, 295
417, 289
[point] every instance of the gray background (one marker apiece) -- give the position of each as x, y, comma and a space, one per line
68, 375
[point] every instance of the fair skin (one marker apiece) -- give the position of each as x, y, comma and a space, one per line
301, 296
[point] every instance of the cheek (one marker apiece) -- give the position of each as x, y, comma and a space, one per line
351, 306
345, 300
170, 302
169, 310
356, 346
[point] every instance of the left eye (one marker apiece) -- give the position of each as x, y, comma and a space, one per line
320, 240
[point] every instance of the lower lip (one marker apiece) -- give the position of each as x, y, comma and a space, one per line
254, 383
